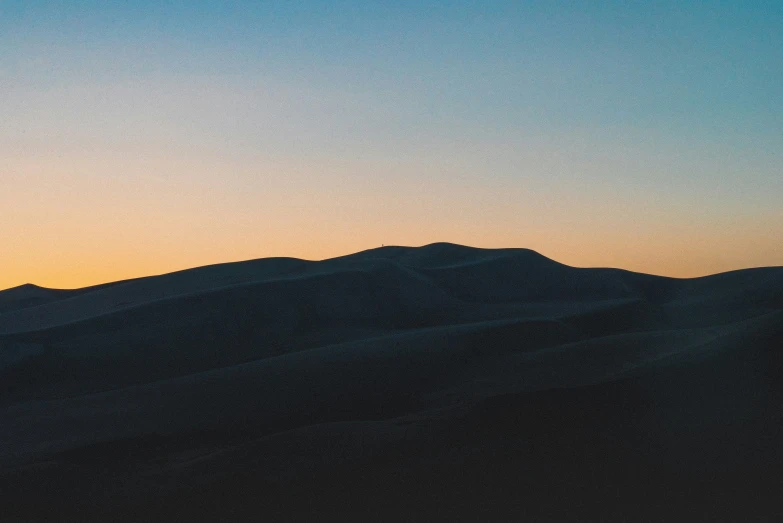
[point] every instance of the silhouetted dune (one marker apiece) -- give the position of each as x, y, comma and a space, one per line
26, 296
440, 382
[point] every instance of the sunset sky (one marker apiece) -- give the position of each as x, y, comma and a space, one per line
138, 138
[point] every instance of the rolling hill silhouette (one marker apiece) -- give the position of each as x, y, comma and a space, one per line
439, 382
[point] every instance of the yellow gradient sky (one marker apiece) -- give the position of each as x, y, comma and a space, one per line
138, 141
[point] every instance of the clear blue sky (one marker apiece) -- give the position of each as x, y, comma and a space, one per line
141, 137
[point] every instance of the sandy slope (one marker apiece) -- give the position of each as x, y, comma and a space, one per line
396, 383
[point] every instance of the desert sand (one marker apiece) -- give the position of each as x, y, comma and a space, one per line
400, 384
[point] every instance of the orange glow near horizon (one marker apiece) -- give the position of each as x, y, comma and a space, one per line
103, 263
67, 225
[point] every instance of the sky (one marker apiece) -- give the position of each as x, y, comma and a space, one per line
138, 138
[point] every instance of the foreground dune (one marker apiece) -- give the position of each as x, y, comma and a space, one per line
440, 382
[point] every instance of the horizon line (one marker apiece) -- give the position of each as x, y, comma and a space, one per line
383, 246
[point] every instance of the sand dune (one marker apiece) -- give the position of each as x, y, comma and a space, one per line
440, 382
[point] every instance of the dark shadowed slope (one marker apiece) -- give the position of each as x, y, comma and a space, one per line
440, 382
27, 296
